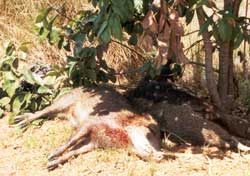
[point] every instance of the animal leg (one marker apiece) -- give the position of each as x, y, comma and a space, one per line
58, 106
78, 136
84, 149
144, 149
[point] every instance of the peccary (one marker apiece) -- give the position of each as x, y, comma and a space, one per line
102, 118
188, 125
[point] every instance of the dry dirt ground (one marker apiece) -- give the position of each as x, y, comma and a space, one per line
26, 154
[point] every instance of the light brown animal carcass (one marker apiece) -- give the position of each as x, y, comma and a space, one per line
102, 118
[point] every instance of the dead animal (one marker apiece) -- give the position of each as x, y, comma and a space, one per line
102, 118
188, 126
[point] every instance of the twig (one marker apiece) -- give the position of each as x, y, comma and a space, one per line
202, 65
126, 46
191, 32
192, 45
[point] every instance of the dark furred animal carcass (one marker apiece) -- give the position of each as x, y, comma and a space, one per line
102, 118
181, 113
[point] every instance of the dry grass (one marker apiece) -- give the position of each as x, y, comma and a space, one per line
17, 19
26, 154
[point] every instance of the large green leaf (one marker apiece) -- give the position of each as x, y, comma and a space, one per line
102, 28
106, 35
115, 25
225, 30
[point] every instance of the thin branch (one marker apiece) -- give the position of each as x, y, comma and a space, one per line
201, 65
131, 49
192, 45
189, 33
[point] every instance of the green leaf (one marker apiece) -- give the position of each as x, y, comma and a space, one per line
10, 87
102, 28
51, 22
1, 112
27, 98
43, 14
215, 32
189, 16
225, 30
205, 26
123, 9
33, 105
10, 49
66, 45
44, 33
50, 80
60, 42
4, 101
11, 118
87, 52
116, 28
54, 35
30, 77
71, 68
106, 35
238, 40
43, 90
17, 103
78, 38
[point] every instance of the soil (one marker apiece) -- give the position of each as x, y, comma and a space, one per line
26, 154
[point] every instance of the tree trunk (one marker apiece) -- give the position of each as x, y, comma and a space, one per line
226, 71
225, 84
210, 78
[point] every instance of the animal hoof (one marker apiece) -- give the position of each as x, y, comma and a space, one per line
158, 156
51, 157
52, 165
18, 119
